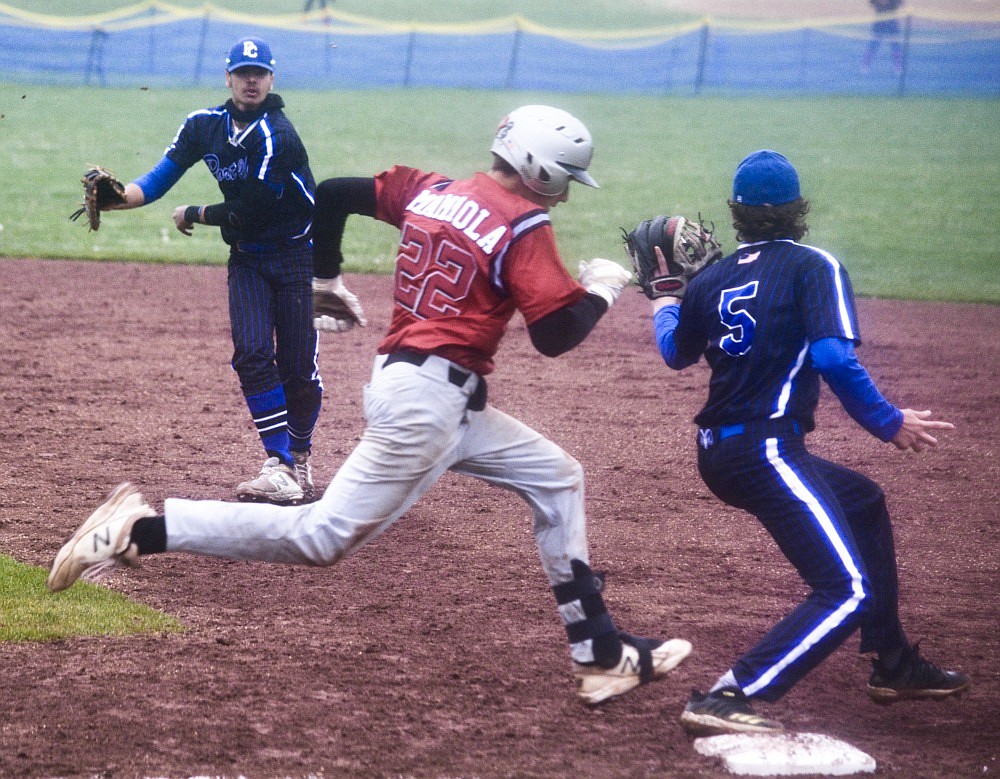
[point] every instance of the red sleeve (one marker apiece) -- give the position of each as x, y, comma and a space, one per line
396, 187
536, 277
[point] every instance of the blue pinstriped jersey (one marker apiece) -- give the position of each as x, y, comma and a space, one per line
265, 163
753, 315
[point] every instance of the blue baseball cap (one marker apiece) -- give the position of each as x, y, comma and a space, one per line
250, 51
765, 178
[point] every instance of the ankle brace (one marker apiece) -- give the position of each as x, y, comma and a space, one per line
592, 634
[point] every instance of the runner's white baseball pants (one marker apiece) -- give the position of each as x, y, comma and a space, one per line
417, 428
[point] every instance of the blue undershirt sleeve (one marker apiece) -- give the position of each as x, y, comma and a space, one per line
664, 323
836, 362
161, 178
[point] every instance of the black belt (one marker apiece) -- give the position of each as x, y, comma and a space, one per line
456, 376
760, 428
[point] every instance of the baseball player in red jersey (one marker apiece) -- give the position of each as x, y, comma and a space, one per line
472, 252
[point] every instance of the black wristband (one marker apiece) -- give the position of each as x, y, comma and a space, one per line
191, 214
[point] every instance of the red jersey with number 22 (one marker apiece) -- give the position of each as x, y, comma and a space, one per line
471, 253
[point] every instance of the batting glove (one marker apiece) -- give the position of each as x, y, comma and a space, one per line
335, 308
605, 278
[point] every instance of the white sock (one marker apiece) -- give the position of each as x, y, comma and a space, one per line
726, 680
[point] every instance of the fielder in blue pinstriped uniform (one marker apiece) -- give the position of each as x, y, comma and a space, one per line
771, 320
261, 166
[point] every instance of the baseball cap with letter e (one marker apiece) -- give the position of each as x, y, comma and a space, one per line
765, 178
250, 51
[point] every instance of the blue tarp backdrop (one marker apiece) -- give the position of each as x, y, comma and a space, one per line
158, 44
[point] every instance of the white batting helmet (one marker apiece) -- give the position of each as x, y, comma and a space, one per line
546, 146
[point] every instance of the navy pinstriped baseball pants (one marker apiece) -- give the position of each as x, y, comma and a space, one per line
832, 524
274, 343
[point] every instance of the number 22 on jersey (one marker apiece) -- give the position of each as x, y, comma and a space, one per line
432, 280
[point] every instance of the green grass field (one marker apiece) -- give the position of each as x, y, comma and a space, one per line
589, 14
906, 193
29, 612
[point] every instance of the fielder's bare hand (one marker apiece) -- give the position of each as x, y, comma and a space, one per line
180, 222
914, 432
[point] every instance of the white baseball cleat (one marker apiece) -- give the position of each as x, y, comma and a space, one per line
596, 684
276, 483
304, 475
103, 541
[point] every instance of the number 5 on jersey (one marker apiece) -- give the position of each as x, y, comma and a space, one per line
734, 316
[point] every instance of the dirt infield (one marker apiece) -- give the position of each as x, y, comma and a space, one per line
436, 652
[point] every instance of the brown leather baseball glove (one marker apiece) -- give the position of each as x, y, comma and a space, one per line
101, 189
686, 248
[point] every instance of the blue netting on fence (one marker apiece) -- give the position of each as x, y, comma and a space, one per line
153, 44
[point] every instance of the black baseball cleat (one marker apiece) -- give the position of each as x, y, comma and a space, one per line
726, 710
915, 678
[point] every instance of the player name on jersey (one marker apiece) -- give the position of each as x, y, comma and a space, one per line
461, 212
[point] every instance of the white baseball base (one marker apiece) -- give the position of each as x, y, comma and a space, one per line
785, 754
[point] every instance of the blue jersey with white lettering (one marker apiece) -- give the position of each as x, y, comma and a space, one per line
262, 170
753, 316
